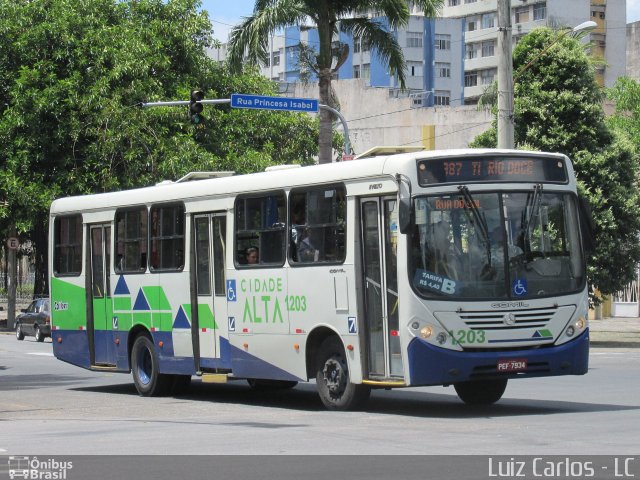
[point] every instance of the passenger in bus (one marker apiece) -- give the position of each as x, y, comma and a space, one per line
251, 255
306, 251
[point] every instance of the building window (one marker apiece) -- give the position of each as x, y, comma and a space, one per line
471, 26
414, 39
260, 229
442, 98
366, 71
540, 11
356, 45
317, 225
454, 3
356, 71
522, 14
470, 1
131, 240
471, 79
443, 70
167, 238
443, 42
276, 58
487, 76
470, 51
67, 246
488, 20
414, 69
488, 48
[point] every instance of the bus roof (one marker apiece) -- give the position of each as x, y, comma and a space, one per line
359, 169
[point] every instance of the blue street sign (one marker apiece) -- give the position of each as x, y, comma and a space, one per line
260, 102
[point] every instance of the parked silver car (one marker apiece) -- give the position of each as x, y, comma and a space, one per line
35, 320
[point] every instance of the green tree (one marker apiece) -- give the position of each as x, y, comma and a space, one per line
72, 76
249, 40
558, 108
626, 119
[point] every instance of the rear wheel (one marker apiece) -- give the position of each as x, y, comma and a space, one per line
482, 392
19, 332
332, 378
38, 334
145, 368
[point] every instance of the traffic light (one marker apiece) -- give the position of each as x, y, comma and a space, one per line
195, 107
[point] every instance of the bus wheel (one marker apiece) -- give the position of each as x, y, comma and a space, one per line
259, 384
145, 368
332, 379
482, 392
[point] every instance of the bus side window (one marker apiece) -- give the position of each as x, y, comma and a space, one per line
259, 229
317, 224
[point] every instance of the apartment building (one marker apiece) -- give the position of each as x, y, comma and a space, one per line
433, 50
479, 16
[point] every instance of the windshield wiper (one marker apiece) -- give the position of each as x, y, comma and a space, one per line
534, 205
480, 221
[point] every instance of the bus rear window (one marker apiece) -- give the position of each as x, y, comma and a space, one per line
67, 250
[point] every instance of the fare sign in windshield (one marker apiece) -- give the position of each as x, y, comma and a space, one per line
491, 169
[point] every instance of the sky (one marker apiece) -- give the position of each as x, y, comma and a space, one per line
224, 14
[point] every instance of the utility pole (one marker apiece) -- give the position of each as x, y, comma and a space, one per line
12, 278
505, 77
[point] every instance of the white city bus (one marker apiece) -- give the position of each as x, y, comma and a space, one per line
462, 267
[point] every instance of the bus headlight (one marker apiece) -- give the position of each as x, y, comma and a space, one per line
576, 327
426, 332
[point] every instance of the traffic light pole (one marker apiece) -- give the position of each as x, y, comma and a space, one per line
220, 101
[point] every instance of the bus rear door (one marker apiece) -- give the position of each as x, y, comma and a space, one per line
209, 324
99, 326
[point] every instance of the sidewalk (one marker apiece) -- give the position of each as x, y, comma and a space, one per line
609, 332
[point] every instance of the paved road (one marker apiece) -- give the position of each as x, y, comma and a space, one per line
49, 407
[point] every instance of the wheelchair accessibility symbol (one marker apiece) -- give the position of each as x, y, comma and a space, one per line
519, 287
231, 291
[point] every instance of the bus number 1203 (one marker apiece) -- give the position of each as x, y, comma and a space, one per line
462, 337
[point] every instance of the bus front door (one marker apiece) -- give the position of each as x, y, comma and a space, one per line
99, 327
210, 320
379, 217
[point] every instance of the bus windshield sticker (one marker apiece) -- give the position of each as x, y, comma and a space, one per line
519, 287
435, 282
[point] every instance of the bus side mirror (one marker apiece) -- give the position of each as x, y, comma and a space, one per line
404, 211
587, 227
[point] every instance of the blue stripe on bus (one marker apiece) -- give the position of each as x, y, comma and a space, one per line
246, 365
431, 365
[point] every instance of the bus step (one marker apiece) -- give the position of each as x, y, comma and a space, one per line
214, 378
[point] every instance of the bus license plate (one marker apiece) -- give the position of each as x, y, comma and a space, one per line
512, 365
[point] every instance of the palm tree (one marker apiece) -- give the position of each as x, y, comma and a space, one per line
249, 40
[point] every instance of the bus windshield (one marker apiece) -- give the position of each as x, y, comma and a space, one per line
496, 245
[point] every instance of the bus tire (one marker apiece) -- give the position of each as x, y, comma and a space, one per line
332, 378
145, 368
481, 392
261, 384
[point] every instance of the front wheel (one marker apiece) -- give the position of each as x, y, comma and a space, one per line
482, 392
19, 332
38, 334
145, 368
332, 378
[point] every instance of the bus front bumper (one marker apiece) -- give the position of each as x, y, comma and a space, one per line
431, 365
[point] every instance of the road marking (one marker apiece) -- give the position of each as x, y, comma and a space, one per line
41, 354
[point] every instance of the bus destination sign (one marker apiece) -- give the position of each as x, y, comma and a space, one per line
491, 169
